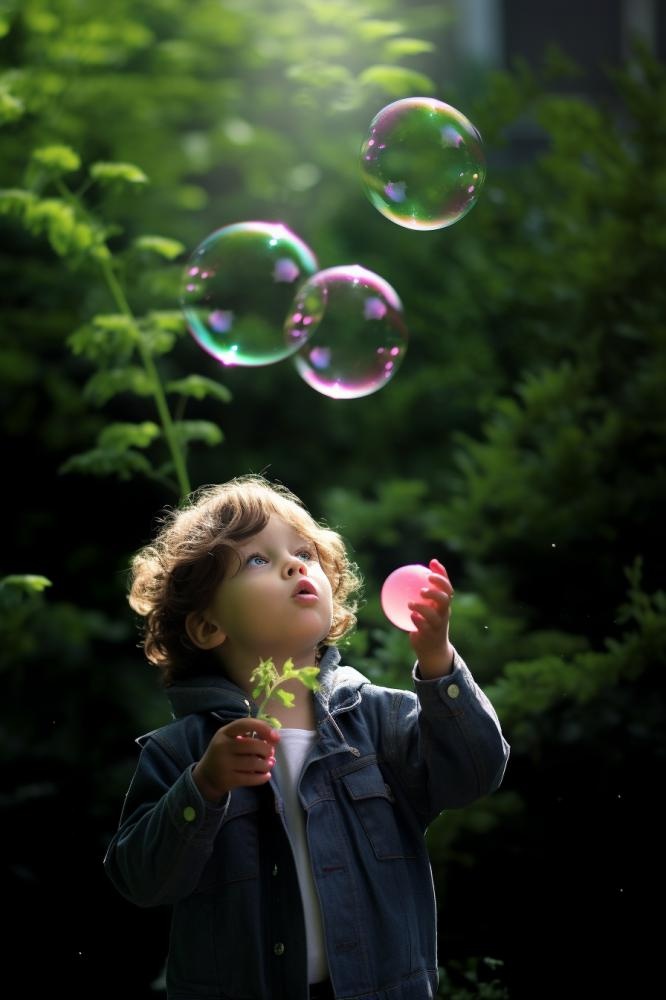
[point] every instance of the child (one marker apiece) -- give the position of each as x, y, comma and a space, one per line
294, 859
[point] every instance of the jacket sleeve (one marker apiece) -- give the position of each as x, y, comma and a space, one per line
444, 743
166, 832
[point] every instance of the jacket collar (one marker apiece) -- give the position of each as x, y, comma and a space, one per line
207, 693
339, 691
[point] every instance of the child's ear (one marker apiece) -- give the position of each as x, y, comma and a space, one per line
202, 632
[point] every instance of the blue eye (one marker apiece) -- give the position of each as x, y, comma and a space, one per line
255, 560
307, 555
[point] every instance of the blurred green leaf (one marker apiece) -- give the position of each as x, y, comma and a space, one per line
198, 430
160, 245
117, 173
57, 159
104, 385
122, 436
27, 582
396, 81
199, 387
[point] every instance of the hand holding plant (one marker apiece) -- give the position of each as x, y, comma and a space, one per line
237, 757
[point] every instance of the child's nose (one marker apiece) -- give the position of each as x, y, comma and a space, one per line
294, 566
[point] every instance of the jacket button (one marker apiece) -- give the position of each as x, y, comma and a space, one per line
453, 690
189, 814
278, 948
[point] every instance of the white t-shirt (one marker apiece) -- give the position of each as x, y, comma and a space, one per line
291, 752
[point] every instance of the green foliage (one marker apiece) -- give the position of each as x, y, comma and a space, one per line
199, 387
28, 583
182, 84
118, 173
169, 249
396, 82
468, 980
268, 683
111, 341
57, 159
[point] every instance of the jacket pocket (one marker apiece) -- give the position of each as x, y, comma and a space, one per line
374, 805
237, 845
235, 856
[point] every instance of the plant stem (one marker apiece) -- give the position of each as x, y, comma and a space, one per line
158, 392
268, 697
119, 297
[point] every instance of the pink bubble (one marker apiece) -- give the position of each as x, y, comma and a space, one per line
401, 587
347, 319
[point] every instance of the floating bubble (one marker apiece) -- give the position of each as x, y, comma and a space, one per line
400, 587
422, 163
350, 322
237, 289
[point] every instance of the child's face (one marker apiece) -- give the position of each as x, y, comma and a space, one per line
279, 602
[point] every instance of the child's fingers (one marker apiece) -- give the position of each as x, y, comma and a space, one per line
440, 597
253, 756
252, 738
436, 566
426, 615
252, 729
440, 582
248, 760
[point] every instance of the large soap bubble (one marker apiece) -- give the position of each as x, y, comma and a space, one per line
422, 163
350, 322
237, 289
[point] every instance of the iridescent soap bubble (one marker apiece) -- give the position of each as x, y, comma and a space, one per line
422, 163
238, 287
351, 321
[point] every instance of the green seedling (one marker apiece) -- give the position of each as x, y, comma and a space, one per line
268, 683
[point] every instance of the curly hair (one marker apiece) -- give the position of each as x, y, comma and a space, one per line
180, 570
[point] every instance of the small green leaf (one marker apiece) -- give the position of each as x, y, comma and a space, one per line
15, 201
108, 461
309, 677
374, 29
198, 430
161, 245
198, 387
272, 721
107, 339
156, 338
398, 47
169, 320
105, 384
286, 697
11, 108
55, 218
288, 669
28, 582
396, 80
117, 173
57, 159
120, 437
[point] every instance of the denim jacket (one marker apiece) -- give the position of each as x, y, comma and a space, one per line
385, 764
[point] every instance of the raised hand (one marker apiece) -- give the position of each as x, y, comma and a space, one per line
430, 617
